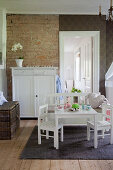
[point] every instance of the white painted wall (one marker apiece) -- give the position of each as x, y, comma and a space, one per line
68, 65
1, 31
3, 82
3, 78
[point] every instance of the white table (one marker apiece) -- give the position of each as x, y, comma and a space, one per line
75, 114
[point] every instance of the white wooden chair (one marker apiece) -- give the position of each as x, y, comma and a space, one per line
104, 124
46, 124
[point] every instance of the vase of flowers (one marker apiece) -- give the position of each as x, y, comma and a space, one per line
19, 60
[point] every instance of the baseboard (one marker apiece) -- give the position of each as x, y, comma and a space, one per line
28, 118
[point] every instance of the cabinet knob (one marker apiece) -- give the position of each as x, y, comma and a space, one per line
36, 95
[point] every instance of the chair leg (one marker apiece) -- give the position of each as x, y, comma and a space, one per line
111, 139
103, 134
47, 134
54, 140
62, 134
88, 132
39, 136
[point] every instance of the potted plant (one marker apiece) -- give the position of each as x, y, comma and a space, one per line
19, 60
75, 90
75, 106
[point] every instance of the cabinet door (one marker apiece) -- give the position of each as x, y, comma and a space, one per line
23, 91
44, 85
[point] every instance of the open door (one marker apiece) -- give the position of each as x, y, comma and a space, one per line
89, 60
83, 67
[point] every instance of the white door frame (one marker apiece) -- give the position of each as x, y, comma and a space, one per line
96, 54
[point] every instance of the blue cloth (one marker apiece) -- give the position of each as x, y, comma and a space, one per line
58, 85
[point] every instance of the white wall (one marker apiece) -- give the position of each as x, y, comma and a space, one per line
68, 66
1, 31
3, 78
3, 82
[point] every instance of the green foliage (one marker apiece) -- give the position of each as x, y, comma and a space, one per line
21, 57
75, 106
75, 90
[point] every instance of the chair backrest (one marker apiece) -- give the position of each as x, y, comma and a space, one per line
43, 109
44, 115
107, 111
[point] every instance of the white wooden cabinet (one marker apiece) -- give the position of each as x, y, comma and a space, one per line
30, 86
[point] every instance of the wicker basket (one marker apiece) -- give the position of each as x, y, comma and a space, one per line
9, 119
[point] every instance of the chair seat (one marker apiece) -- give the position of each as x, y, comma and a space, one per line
51, 117
100, 125
49, 125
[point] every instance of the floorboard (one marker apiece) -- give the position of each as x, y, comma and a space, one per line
10, 151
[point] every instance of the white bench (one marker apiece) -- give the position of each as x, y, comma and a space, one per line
62, 98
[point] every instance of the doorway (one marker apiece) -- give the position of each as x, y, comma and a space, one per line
79, 60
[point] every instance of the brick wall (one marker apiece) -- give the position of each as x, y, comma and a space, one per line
39, 36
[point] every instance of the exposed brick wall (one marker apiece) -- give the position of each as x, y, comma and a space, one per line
39, 36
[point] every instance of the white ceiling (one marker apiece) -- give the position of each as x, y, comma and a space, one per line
54, 6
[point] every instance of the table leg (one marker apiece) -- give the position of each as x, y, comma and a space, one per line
62, 129
111, 139
39, 136
47, 134
56, 134
95, 132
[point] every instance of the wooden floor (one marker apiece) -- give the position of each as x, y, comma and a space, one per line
11, 149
